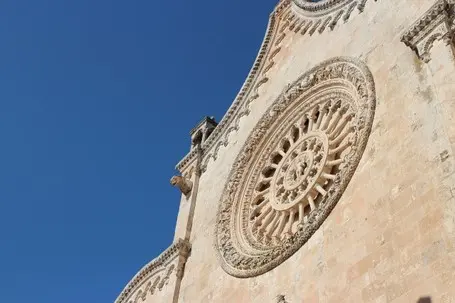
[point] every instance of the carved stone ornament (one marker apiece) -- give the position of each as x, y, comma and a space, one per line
156, 275
294, 167
318, 15
436, 24
183, 184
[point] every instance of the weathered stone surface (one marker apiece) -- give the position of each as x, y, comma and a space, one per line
391, 236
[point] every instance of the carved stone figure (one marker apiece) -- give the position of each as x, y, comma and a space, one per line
183, 184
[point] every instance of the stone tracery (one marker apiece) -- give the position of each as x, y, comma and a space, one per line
294, 167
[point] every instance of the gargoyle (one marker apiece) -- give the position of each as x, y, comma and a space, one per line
183, 184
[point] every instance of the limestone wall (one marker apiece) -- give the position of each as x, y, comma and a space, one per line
391, 236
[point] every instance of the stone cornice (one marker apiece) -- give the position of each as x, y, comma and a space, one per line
180, 248
435, 24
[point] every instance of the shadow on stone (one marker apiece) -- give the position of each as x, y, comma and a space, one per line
424, 300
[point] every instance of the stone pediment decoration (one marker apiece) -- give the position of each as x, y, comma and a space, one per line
155, 276
294, 167
436, 24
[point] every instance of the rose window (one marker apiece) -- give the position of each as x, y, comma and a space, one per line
294, 167
300, 170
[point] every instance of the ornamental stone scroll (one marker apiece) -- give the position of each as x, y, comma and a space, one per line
294, 167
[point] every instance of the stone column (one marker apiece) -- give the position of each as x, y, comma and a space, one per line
441, 66
431, 37
188, 201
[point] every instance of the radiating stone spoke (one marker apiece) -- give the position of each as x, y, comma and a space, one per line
334, 162
340, 126
271, 215
273, 223
268, 179
264, 213
327, 121
311, 122
301, 212
290, 222
328, 176
333, 124
346, 131
319, 120
320, 190
264, 191
302, 126
340, 148
311, 202
281, 225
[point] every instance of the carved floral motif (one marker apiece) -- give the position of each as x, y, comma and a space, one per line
294, 167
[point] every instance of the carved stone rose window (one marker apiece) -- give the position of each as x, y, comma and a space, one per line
294, 167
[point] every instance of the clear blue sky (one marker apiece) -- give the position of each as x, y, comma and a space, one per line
97, 99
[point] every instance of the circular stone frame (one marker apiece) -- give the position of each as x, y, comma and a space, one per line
239, 252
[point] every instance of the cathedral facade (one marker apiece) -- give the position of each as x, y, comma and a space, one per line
331, 178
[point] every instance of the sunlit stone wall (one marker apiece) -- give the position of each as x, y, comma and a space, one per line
390, 238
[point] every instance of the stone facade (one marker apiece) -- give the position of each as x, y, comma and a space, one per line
358, 99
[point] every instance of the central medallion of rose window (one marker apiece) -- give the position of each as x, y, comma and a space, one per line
295, 180
300, 170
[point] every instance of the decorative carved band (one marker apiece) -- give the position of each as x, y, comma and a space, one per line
294, 167
436, 24
318, 15
148, 278
238, 106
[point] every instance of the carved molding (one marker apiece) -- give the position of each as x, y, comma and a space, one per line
436, 24
288, 18
237, 109
155, 275
294, 167
317, 16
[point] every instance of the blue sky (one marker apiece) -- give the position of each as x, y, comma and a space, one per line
97, 99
